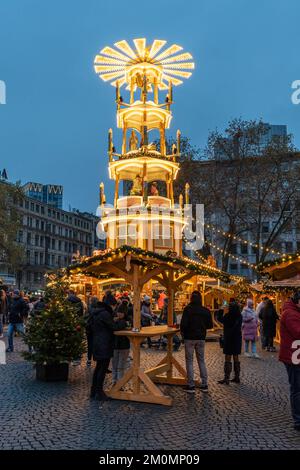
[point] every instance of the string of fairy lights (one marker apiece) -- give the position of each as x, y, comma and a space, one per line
237, 258
230, 255
243, 241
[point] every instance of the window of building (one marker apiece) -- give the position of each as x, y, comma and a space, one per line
53, 243
59, 245
28, 276
59, 261
36, 258
26, 205
233, 267
42, 240
20, 236
289, 247
42, 225
28, 238
253, 250
37, 208
41, 258
53, 260
244, 248
36, 240
32, 206
42, 210
28, 256
233, 248
37, 224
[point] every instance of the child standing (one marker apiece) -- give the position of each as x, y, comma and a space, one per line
121, 346
249, 329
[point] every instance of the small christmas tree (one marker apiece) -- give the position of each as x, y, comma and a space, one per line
56, 334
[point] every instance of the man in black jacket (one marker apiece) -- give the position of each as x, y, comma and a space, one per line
196, 320
18, 310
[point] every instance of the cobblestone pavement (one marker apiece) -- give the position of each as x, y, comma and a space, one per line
254, 415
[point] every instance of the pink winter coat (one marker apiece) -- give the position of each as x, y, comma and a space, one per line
249, 325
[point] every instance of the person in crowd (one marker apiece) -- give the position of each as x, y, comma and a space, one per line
195, 321
259, 308
89, 335
3, 310
121, 344
18, 311
160, 301
102, 326
231, 318
269, 318
74, 299
39, 306
249, 329
109, 299
147, 316
164, 312
289, 352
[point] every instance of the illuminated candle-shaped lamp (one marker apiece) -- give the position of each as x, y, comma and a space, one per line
187, 193
178, 134
102, 195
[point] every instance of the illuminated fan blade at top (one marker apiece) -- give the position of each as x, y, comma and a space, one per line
170, 51
140, 45
124, 47
156, 47
127, 65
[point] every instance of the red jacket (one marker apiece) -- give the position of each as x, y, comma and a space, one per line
289, 330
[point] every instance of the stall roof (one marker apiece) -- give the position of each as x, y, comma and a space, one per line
98, 265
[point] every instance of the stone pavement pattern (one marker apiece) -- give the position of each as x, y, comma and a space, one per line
254, 415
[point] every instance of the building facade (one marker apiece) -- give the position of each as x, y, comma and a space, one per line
51, 194
50, 237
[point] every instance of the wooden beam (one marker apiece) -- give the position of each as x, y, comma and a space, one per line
150, 274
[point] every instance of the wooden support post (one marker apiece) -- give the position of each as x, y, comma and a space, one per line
131, 91
171, 189
136, 298
116, 190
124, 139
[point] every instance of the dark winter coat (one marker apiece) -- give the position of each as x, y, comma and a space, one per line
195, 321
38, 307
232, 323
77, 302
102, 326
289, 331
18, 310
269, 318
121, 342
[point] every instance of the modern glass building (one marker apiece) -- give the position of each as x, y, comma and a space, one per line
51, 194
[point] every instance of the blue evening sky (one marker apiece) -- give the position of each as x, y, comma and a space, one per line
53, 128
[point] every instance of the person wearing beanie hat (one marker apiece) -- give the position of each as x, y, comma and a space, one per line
249, 329
147, 316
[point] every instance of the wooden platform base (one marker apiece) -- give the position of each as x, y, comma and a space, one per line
142, 383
